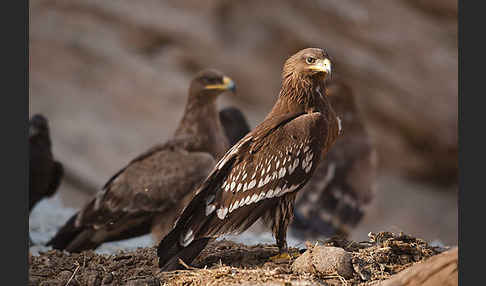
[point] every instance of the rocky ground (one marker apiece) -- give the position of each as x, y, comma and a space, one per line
331, 262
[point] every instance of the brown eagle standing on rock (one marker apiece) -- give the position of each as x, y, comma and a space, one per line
333, 200
150, 192
261, 174
45, 173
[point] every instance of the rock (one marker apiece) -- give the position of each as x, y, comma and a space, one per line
303, 263
439, 270
324, 260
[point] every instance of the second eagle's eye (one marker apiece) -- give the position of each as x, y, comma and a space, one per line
210, 80
310, 60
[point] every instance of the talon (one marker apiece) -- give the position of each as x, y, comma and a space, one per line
282, 257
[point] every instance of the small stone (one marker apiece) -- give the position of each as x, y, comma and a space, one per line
304, 263
325, 260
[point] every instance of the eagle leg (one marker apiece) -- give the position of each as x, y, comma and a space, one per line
281, 237
284, 254
284, 213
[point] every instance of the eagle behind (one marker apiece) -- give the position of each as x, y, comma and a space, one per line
45, 173
261, 174
148, 194
234, 124
335, 198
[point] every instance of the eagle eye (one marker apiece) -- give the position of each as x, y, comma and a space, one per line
213, 80
310, 60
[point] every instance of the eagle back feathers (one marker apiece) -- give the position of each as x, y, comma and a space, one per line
249, 174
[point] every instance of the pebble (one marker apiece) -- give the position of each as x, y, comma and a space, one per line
324, 260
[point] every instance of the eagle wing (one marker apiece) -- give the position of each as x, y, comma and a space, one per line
277, 158
158, 182
151, 183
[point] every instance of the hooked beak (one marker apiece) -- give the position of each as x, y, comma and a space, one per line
322, 66
227, 84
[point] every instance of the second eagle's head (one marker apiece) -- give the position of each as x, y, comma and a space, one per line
209, 83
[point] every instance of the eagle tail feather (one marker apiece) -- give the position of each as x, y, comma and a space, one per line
65, 235
170, 249
169, 258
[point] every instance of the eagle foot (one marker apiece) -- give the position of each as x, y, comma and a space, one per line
284, 257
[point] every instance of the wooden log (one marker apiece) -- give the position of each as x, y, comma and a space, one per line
439, 270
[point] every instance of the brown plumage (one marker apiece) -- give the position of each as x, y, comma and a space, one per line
261, 174
149, 193
45, 173
234, 124
334, 199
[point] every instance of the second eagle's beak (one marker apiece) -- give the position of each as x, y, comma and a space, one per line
227, 84
322, 66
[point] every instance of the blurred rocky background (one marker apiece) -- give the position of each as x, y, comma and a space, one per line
112, 78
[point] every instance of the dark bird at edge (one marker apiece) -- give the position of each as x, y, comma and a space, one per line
234, 123
149, 193
45, 173
335, 198
261, 174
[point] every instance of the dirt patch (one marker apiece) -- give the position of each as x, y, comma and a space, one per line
225, 263
88, 268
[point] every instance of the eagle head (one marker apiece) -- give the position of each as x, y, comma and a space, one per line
308, 64
38, 125
209, 83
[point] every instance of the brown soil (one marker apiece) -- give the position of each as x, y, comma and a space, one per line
225, 263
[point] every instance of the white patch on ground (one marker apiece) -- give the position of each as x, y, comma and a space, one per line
126, 245
46, 218
253, 238
50, 214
